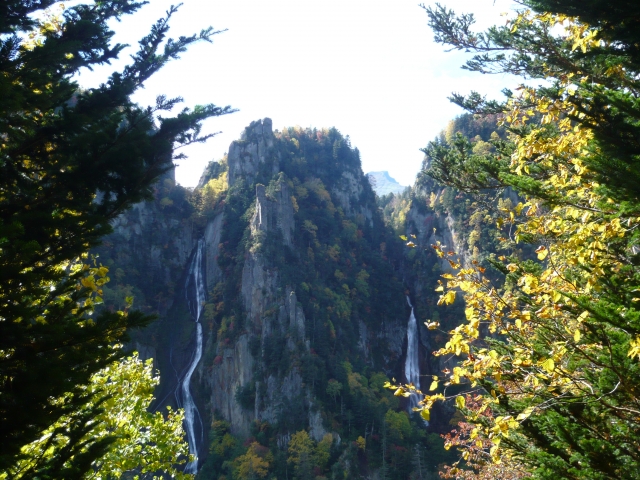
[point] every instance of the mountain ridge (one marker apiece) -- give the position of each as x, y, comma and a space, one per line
384, 184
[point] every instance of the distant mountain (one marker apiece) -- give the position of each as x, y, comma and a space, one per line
383, 184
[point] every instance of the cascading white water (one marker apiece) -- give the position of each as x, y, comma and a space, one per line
195, 293
411, 365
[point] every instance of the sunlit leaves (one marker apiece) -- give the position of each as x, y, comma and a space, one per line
425, 414
564, 319
448, 298
144, 442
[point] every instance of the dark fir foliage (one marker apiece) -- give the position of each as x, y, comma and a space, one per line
70, 161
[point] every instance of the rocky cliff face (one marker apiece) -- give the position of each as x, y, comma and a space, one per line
147, 254
272, 312
212, 236
305, 311
260, 291
247, 154
461, 223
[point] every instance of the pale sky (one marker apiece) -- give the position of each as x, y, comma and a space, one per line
368, 68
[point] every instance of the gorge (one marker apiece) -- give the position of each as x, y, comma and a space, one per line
281, 296
276, 321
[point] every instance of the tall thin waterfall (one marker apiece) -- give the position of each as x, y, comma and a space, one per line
195, 292
411, 365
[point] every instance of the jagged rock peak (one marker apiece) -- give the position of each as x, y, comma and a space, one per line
257, 129
383, 183
246, 154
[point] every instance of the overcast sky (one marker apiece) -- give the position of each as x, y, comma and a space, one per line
368, 68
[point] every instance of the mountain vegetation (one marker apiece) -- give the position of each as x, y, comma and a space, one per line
71, 161
343, 265
517, 249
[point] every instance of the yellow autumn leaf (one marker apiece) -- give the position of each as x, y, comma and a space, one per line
549, 365
634, 351
448, 298
425, 414
542, 252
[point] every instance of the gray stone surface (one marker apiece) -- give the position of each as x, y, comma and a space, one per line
274, 213
235, 369
212, 235
246, 155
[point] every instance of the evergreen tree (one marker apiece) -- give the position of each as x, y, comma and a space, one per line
561, 369
70, 162
606, 51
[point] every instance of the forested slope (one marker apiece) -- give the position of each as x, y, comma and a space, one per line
305, 318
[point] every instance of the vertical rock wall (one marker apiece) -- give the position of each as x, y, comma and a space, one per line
260, 292
212, 234
162, 245
246, 155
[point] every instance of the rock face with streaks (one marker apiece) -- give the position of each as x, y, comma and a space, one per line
299, 290
212, 236
274, 214
247, 154
149, 248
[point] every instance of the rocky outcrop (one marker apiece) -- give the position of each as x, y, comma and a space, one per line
257, 354
430, 228
394, 335
316, 428
212, 235
348, 191
233, 368
274, 213
258, 288
151, 234
246, 155
261, 294
148, 250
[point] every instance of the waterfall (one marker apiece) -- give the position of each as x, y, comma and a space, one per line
195, 293
411, 366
